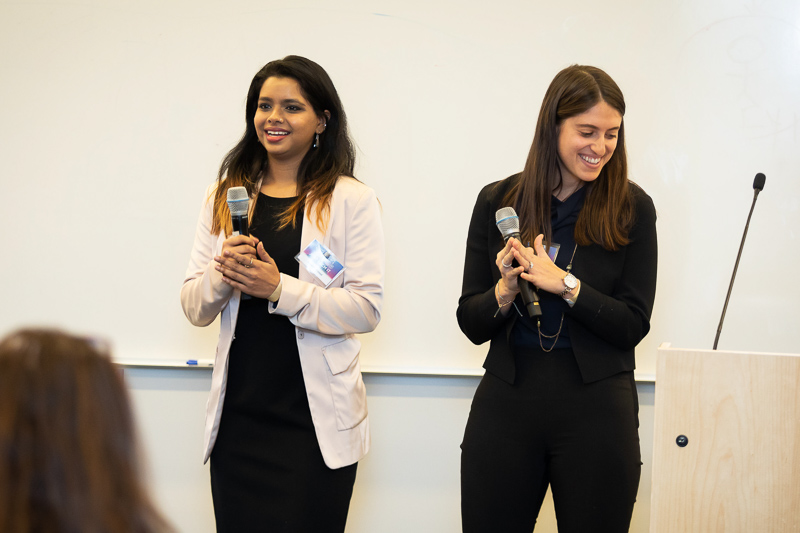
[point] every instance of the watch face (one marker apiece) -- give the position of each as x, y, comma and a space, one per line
570, 281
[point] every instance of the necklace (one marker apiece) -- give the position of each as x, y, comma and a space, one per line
560, 324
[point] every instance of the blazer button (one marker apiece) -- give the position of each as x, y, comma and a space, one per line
300, 335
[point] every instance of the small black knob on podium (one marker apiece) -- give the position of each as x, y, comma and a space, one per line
682, 441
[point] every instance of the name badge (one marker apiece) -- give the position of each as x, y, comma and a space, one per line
320, 262
552, 251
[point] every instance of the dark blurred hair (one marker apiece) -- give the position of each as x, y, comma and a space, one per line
335, 156
607, 213
68, 455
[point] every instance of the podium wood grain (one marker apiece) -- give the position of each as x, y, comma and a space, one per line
740, 471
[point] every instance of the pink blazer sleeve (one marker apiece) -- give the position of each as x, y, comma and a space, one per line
355, 235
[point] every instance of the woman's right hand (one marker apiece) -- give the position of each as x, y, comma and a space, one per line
240, 244
508, 287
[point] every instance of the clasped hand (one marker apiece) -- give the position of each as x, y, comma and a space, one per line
534, 266
246, 265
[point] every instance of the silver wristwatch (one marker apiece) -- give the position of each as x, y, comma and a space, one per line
570, 283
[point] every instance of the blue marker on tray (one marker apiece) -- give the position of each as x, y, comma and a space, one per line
191, 362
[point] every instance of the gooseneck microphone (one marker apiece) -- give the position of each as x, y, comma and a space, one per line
239, 204
508, 223
758, 186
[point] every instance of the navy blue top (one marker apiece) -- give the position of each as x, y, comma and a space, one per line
563, 216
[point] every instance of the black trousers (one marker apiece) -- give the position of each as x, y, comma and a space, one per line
550, 428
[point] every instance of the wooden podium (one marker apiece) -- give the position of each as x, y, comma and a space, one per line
726, 448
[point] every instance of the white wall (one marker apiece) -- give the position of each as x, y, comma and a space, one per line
115, 115
404, 484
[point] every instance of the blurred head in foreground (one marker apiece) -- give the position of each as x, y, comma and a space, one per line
68, 454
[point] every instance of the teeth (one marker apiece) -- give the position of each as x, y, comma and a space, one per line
277, 133
592, 160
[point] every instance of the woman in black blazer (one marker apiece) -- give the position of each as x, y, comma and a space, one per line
557, 405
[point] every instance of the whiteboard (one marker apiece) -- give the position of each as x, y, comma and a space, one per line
115, 115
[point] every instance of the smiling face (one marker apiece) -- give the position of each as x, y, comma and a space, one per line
285, 122
586, 142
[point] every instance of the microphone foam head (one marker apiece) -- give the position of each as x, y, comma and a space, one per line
238, 201
507, 221
758, 183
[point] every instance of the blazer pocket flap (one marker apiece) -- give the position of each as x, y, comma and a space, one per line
341, 355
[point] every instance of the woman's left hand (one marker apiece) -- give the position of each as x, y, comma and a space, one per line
540, 270
256, 277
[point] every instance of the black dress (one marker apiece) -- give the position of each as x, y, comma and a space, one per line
267, 471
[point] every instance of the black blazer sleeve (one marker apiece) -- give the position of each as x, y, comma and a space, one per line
612, 313
618, 288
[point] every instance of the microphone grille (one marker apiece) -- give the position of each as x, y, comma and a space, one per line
758, 183
238, 201
507, 221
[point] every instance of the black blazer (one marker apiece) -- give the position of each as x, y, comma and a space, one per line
611, 314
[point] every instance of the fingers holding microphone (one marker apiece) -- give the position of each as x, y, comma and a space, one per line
240, 244
508, 269
257, 276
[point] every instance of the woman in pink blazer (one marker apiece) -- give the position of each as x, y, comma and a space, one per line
287, 417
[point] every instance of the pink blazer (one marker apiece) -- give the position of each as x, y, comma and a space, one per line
325, 320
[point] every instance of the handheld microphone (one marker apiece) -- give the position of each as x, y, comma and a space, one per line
508, 223
239, 203
758, 186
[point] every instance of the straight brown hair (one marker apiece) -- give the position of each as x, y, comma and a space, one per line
68, 453
608, 213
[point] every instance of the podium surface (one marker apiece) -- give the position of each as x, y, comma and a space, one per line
726, 447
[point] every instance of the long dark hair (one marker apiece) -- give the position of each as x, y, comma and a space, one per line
607, 213
321, 167
68, 454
